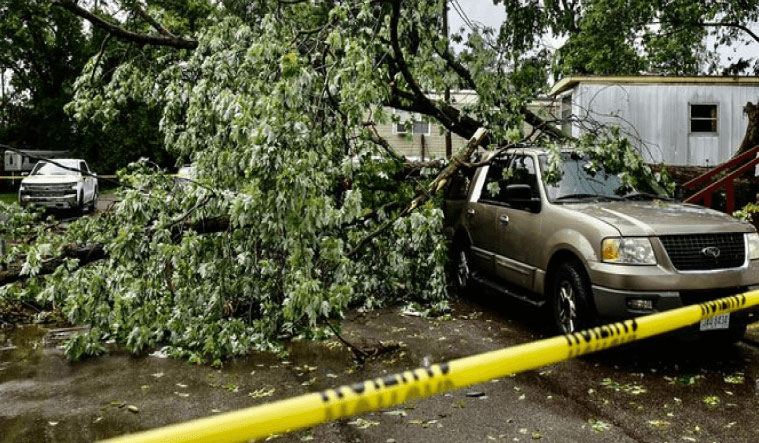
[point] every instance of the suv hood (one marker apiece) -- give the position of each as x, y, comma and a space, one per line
50, 179
652, 218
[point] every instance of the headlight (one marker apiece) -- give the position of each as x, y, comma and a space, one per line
630, 251
752, 240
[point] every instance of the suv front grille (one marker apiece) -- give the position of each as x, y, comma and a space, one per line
690, 252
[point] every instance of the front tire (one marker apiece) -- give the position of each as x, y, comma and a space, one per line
462, 270
570, 299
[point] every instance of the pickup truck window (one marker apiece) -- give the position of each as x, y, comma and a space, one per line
43, 168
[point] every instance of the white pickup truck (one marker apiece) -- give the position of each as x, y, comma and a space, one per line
60, 184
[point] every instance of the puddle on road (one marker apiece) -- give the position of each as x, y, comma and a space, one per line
46, 398
20, 350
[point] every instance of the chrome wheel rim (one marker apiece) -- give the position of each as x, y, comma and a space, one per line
462, 271
566, 307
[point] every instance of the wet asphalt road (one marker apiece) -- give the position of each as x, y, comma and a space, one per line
655, 391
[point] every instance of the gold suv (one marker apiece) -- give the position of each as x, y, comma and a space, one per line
591, 249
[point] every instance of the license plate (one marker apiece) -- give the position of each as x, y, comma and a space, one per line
717, 322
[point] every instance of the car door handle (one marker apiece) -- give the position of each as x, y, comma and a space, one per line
504, 219
470, 212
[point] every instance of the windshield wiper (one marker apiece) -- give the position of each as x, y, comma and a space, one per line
645, 196
584, 196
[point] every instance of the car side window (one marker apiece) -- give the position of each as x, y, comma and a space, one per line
494, 190
516, 170
83, 167
523, 173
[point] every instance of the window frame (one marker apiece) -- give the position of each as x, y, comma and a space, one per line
510, 161
415, 118
691, 119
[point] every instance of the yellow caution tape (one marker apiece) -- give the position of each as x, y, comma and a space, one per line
372, 395
21, 177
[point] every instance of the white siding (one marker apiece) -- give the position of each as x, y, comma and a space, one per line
658, 117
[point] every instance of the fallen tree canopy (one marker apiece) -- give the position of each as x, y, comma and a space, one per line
297, 211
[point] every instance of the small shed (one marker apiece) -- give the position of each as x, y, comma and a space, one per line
684, 121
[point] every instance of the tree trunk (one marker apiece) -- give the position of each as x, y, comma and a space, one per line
751, 139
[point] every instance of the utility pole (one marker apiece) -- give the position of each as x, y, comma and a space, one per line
2, 94
447, 97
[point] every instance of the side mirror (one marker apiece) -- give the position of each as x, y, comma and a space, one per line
520, 196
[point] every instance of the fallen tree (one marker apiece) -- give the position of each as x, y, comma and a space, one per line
297, 211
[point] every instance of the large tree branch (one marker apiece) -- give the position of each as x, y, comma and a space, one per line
93, 252
433, 188
735, 25
448, 115
153, 22
123, 34
85, 254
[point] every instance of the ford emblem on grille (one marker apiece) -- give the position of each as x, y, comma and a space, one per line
710, 251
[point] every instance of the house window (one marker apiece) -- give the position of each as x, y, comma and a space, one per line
417, 125
703, 118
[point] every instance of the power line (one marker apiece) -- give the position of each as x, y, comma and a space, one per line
460, 11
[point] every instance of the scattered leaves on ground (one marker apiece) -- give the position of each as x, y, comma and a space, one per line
598, 425
735, 379
711, 400
361, 423
261, 393
629, 388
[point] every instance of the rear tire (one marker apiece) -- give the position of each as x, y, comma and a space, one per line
570, 299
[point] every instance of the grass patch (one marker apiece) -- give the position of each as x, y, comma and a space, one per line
9, 197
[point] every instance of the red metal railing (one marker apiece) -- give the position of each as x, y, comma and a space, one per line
744, 162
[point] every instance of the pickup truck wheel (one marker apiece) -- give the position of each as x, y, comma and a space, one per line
81, 208
571, 292
462, 271
94, 202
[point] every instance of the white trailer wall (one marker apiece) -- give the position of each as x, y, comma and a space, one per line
658, 116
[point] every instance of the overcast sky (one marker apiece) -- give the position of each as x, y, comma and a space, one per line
485, 13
